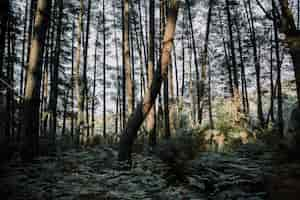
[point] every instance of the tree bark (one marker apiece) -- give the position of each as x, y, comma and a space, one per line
104, 71
32, 94
292, 39
137, 117
151, 123
198, 85
78, 81
126, 58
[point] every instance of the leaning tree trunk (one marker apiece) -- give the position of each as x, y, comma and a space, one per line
138, 116
32, 94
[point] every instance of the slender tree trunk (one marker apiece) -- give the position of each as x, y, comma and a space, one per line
78, 80
104, 72
183, 55
292, 40
260, 114
126, 58
271, 80
32, 94
230, 81
140, 113
278, 63
236, 93
23, 49
63, 132
94, 79
205, 59
72, 81
243, 74
55, 77
198, 85
4, 8
176, 71
118, 77
85, 101
151, 119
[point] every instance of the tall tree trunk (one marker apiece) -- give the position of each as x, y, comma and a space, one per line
32, 94
260, 114
292, 39
104, 72
205, 59
23, 49
94, 79
72, 80
140, 113
55, 77
78, 81
198, 85
151, 120
85, 101
236, 93
271, 80
243, 73
4, 10
183, 55
118, 108
230, 81
126, 57
33, 5
63, 131
278, 63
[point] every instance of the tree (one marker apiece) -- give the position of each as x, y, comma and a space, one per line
236, 93
288, 26
278, 63
126, 59
257, 66
151, 123
54, 76
78, 81
198, 85
104, 71
32, 92
141, 111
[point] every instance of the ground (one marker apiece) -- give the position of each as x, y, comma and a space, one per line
253, 171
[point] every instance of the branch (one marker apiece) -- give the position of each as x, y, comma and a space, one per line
264, 10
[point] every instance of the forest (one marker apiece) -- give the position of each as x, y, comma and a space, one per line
150, 99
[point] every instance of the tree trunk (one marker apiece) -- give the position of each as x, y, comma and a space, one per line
126, 57
292, 39
260, 114
137, 117
55, 77
94, 79
278, 63
236, 93
104, 72
84, 97
198, 85
78, 81
72, 81
32, 94
151, 125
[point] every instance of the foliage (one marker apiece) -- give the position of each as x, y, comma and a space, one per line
92, 173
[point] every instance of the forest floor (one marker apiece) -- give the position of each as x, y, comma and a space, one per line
253, 171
